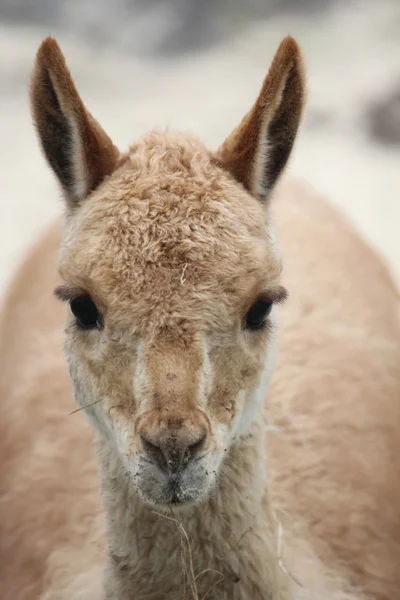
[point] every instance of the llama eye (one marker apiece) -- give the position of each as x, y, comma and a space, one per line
258, 313
85, 312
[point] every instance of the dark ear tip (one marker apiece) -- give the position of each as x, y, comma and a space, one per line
289, 59
289, 56
50, 71
49, 53
290, 44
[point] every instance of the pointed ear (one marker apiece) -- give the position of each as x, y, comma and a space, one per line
258, 149
76, 147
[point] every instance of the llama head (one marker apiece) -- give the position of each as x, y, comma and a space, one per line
171, 274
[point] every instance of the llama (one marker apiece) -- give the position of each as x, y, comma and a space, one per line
171, 275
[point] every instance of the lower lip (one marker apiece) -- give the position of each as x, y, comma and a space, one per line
175, 498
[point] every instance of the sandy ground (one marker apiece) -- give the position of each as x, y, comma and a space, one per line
349, 146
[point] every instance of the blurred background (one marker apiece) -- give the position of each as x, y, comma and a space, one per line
198, 65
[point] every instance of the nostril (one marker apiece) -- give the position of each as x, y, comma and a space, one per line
172, 454
153, 452
196, 448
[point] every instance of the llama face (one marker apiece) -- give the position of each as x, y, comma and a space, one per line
172, 275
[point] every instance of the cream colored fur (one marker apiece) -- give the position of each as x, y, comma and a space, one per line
300, 501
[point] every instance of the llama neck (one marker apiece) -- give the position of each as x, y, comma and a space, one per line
232, 533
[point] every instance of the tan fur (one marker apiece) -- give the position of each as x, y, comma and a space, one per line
277, 111
174, 251
52, 87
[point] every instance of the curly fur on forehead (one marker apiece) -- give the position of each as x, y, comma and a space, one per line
167, 226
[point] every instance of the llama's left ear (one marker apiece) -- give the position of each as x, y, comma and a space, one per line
78, 150
258, 149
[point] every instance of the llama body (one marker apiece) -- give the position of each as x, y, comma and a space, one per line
206, 491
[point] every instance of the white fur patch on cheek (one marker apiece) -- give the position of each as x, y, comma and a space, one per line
122, 438
215, 464
140, 377
207, 374
255, 399
222, 442
88, 398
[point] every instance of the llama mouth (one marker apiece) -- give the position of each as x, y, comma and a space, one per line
175, 492
162, 487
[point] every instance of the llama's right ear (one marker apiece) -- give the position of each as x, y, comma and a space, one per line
257, 150
80, 153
